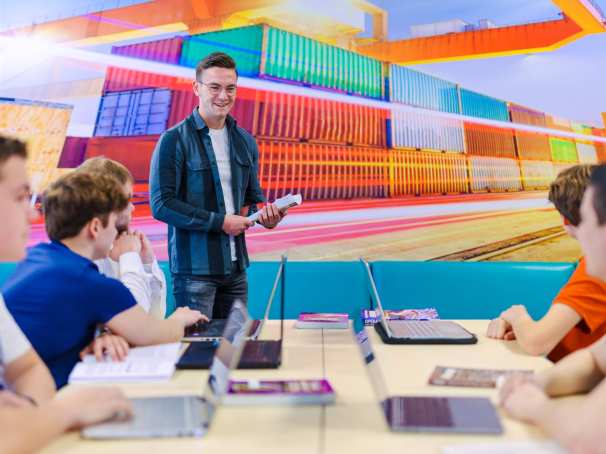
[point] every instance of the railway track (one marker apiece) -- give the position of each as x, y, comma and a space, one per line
491, 250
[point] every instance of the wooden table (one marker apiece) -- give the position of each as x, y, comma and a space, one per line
354, 424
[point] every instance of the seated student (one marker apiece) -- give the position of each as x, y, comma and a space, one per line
577, 316
57, 295
131, 258
576, 423
25, 427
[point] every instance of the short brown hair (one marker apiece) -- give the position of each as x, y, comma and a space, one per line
75, 199
10, 148
566, 191
216, 59
105, 166
598, 183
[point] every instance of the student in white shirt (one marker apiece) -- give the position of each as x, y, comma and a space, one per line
30, 413
131, 259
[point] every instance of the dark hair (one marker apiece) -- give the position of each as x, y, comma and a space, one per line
75, 199
598, 183
216, 59
566, 191
10, 148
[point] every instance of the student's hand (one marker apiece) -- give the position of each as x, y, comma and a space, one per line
126, 242
512, 382
187, 316
524, 401
500, 328
147, 252
10, 399
234, 225
515, 313
85, 406
271, 216
107, 344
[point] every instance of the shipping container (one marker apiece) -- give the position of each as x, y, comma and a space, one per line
478, 105
415, 88
73, 152
587, 153
494, 174
322, 172
420, 173
184, 101
484, 140
563, 150
163, 51
424, 131
558, 123
133, 152
133, 113
600, 147
530, 145
263, 51
536, 174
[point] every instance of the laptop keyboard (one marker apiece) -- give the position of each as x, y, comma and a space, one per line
421, 411
414, 329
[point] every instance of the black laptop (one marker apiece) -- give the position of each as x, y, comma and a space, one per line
415, 331
257, 354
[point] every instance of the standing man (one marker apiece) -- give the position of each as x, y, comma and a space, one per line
203, 184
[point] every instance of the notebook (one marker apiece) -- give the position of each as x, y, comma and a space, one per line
280, 392
322, 320
475, 378
143, 364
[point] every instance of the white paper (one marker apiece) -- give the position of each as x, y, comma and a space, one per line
289, 200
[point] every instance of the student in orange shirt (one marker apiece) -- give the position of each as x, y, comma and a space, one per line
577, 316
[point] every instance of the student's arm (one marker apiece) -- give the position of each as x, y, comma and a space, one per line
28, 375
164, 180
27, 429
139, 328
540, 337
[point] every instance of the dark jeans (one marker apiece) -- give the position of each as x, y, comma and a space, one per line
212, 295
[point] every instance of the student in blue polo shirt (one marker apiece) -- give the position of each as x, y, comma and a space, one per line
57, 295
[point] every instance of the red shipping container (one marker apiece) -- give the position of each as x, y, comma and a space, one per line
164, 50
481, 140
120, 79
184, 101
600, 147
320, 171
530, 145
419, 172
286, 116
134, 152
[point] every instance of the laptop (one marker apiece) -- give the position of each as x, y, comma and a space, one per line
415, 331
184, 416
474, 415
258, 354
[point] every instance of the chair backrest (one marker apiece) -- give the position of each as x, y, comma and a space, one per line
462, 290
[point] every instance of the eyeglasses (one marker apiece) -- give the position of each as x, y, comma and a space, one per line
215, 89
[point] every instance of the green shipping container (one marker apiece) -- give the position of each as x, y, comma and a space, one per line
563, 150
263, 51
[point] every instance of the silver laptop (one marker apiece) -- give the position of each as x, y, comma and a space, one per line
415, 331
184, 416
428, 414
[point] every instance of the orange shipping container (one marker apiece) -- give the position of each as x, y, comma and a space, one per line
481, 140
418, 173
530, 145
600, 147
134, 152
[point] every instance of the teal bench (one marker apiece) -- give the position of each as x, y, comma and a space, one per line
457, 290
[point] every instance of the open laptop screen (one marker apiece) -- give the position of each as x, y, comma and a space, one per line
372, 367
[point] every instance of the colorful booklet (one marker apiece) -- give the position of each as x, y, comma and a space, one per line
282, 392
322, 320
371, 317
473, 378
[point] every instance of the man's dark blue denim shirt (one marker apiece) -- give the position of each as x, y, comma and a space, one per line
186, 194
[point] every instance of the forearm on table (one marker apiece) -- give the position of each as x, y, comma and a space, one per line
575, 373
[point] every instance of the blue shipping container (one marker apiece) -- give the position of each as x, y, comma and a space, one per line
133, 113
415, 88
482, 106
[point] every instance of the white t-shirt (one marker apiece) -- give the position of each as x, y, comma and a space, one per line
220, 142
13, 342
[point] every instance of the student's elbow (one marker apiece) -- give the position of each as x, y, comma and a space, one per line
534, 344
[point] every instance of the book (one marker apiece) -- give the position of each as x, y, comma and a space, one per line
143, 364
507, 447
287, 201
280, 392
371, 317
474, 378
322, 320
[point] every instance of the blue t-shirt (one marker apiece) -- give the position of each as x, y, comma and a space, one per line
57, 298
